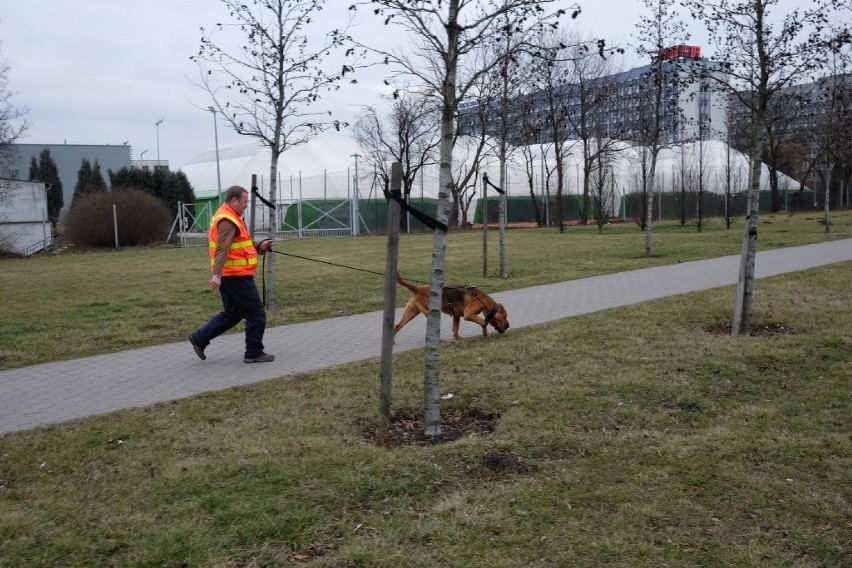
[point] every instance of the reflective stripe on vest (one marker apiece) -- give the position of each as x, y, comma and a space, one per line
242, 256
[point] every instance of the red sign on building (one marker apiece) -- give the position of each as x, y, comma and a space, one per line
681, 51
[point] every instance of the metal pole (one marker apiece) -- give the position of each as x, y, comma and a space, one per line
355, 212
157, 124
45, 221
218, 172
484, 226
115, 223
253, 203
299, 208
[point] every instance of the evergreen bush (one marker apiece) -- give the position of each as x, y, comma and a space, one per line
142, 219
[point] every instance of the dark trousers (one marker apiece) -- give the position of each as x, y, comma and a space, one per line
241, 302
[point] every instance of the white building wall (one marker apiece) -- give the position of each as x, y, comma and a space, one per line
24, 226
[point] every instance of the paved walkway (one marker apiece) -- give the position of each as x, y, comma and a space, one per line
54, 392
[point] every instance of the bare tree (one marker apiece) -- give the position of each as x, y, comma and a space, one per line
530, 172
831, 125
833, 118
449, 31
406, 133
594, 93
639, 182
550, 78
658, 30
474, 129
268, 88
764, 54
682, 182
13, 126
783, 112
843, 109
468, 161
509, 89
527, 119
602, 183
701, 182
732, 183
844, 146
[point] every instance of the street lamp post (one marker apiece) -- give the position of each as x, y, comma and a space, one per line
218, 172
157, 124
142, 159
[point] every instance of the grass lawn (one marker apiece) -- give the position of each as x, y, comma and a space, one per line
83, 303
631, 437
637, 436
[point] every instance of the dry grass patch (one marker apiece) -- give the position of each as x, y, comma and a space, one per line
629, 437
81, 303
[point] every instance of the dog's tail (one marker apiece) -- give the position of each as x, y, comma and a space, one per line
405, 283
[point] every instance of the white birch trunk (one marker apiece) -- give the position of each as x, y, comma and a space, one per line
273, 226
745, 285
504, 272
432, 390
649, 206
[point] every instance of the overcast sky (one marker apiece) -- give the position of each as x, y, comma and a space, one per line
105, 71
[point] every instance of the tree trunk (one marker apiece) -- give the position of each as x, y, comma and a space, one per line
560, 181
826, 217
649, 206
432, 414
432, 392
273, 228
745, 285
504, 271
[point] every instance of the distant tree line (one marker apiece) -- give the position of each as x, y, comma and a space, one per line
152, 197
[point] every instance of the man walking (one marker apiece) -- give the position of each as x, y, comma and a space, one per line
233, 262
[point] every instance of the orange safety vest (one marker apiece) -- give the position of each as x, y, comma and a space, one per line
242, 256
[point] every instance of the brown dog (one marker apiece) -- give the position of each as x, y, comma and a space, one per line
466, 302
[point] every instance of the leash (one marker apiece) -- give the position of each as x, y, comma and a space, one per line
433, 224
467, 288
330, 263
340, 265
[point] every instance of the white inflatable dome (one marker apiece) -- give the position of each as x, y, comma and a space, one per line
324, 168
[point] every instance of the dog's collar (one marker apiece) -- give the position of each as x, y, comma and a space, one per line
492, 312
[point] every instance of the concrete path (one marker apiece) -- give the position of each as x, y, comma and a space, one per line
54, 392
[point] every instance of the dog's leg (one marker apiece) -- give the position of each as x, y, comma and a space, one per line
411, 312
472, 314
456, 322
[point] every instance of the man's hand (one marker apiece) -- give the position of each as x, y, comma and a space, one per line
215, 281
267, 245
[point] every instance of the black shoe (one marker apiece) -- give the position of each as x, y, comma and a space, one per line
262, 358
197, 348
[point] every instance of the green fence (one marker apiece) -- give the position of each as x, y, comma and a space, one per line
668, 205
335, 214
325, 214
520, 209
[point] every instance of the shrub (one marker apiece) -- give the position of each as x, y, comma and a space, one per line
141, 218
170, 187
